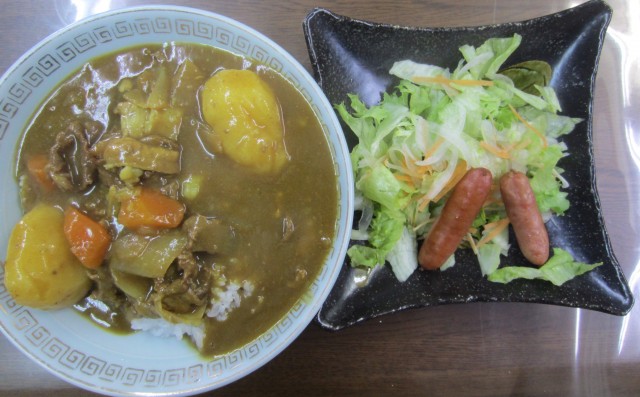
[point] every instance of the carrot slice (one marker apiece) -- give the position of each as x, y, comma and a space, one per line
150, 208
36, 166
88, 239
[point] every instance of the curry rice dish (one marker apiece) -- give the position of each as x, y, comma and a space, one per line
170, 186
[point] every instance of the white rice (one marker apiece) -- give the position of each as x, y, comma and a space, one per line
226, 298
164, 329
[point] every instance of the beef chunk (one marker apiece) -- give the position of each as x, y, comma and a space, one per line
209, 235
71, 165
185, 290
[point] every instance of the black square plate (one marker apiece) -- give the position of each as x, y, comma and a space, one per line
353, 56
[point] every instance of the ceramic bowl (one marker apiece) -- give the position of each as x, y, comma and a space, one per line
139, 364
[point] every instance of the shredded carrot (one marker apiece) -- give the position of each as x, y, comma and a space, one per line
405, 178
526, 123
494, 228
434, 147
489, 226
458, 173
522, 144
423, 169
472, 243
448, 82
509, 148
502, 153
407, 170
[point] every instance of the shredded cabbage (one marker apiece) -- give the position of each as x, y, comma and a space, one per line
418, 141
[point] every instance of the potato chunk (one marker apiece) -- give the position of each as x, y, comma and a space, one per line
246, 120
41, 271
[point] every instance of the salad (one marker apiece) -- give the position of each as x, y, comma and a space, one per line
419, 141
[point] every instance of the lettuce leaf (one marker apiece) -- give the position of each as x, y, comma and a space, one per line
386, 230
559, 269
489, 258
545, 184
492, 53
403, 258
380, 186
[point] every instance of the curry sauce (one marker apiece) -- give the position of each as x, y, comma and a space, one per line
130, 125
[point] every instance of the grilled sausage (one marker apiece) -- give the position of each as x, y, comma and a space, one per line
456, 218
525, 217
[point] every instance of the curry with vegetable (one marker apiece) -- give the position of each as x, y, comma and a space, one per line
173, 186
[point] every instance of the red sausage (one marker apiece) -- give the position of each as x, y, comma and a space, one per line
524, 215
456, 218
